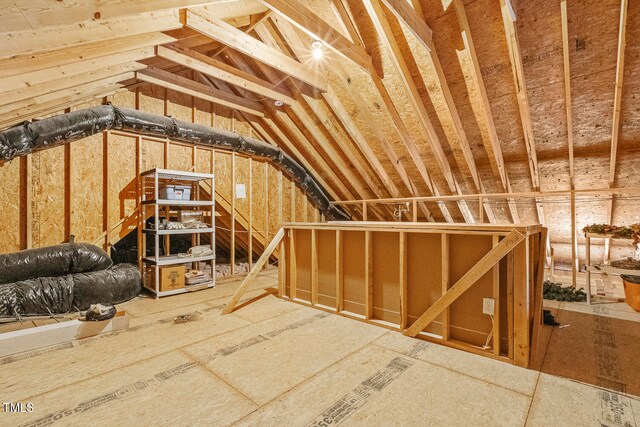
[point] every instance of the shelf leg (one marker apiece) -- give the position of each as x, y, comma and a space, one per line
588, 273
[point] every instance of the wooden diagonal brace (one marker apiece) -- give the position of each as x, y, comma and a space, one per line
254, 272
476, 272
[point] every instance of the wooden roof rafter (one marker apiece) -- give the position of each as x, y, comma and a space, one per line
511, 34
336, 106
309, 126
342, 11
413, 20
617, 106
379, 18
286, 124
494, 141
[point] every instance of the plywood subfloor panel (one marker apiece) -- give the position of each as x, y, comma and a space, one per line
273, 362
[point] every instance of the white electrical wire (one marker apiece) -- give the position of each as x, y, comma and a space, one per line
490, 336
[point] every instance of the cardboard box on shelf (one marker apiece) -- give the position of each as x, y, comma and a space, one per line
171, 277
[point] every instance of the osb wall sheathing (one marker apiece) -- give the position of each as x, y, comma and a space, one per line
72, 176
86, 186
259, 196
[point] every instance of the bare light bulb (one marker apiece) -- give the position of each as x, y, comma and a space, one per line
317, 49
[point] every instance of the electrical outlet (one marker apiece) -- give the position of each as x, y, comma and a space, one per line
488, 306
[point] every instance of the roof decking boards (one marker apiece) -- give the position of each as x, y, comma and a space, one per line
420, 98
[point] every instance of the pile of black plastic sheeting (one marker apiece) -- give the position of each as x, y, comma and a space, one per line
63, 278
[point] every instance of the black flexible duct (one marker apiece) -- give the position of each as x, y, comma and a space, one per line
28, 137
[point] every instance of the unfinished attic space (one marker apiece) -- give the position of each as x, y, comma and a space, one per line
322, 212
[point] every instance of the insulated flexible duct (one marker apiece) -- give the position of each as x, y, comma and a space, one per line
32, 136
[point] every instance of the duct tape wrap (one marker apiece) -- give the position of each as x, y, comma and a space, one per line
28, 137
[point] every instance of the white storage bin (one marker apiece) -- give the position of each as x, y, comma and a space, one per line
175, 192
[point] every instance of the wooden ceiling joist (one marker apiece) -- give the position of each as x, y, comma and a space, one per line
51, 38
31, 79
25, 96
187, 86
290, 41
248, 29
57, 101
42, 13
232, 37
222, 71
313, 25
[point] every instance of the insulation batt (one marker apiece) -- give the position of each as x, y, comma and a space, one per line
28, 137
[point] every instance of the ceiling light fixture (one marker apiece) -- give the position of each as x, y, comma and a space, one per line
317, 49
278, 103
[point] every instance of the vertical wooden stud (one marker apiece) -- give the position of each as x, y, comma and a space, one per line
106, 221
141, 210
574, 242
509, 303
368, 274
305, 205
26, 191
314, 266
293, 201
249, 194
233, 213
266, 208
339, 273
403, 280
293, 277
282, 270
67, 191
415, 210
444, 244
496, 299
521, 303
280, 199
